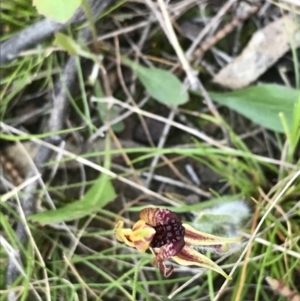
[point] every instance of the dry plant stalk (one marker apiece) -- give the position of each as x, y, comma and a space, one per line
223, 32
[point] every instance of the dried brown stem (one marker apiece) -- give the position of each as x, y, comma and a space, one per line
223, 32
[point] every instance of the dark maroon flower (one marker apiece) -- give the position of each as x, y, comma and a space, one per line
162, 231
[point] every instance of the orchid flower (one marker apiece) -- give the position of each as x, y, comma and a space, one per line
162, 231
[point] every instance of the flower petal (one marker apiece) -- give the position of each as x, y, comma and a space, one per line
197, 238
164, 270
142, 235
167, 251
142, 231
188, 256
139, 237
123, 234
155, 216
162, 254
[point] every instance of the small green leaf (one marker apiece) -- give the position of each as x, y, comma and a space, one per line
114, 113
70, 45
57, 10
101, 193
67, 43
161, 85
262, 104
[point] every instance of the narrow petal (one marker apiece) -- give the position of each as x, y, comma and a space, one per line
155, 216
123, 234
197, 238
159, 260
139, 237
142, 235
166, 271
141, 230
188, 256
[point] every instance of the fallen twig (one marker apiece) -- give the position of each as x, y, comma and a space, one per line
42, 30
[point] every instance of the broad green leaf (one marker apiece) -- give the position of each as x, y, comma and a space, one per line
101, 193
57, 10
262, 104
161, 85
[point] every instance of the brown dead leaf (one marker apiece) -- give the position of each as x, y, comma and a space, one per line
279, 287
264, 49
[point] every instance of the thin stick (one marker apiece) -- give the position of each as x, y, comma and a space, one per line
246, 261
14, 191
170, 33
209, 26
137, 110
94, 166
160, 145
